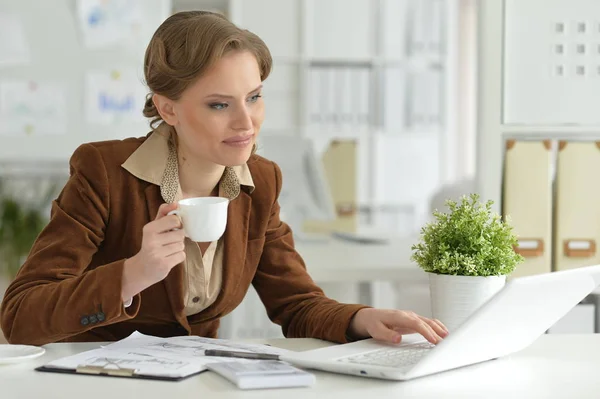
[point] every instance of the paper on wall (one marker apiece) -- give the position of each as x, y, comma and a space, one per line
113, 97
14, 49
109, 22
32, 108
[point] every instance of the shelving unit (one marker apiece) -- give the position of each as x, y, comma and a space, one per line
525, 96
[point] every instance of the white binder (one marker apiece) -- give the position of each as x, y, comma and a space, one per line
527, 201
578, 204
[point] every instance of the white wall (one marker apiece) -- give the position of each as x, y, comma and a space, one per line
401, 162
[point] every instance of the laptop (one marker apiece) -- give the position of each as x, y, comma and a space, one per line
511, 320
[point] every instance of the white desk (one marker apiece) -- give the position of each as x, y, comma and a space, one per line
339, 261
556, 366
346, 261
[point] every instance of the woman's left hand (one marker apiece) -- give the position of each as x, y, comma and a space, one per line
390, 325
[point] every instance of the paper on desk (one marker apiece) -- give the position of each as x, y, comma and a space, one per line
224, 344
188, 348
156, 356
187, 344
143, 364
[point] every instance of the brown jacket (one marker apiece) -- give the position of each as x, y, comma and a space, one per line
69, 289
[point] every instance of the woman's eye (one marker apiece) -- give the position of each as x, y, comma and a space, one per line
218, 106
255, 98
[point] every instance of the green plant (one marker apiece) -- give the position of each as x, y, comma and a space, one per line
469, 240
20, 224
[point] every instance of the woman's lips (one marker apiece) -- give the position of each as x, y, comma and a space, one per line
239, 141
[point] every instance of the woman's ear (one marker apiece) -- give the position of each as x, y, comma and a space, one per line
165, 108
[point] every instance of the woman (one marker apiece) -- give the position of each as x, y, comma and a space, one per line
112, 261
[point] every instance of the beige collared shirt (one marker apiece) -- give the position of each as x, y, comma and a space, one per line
155, 161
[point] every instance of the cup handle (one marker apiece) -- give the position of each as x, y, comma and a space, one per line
175, 212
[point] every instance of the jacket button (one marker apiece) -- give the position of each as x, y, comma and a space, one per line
101, 316
84, 321
196, 299
93, 319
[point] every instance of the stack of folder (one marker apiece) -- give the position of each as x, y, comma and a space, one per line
551, 195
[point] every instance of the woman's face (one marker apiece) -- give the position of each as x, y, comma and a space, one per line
218, 118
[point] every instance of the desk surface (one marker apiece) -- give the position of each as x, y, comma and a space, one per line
555, 366
346, 261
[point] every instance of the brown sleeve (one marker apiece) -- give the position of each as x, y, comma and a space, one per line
53, 296
291, 297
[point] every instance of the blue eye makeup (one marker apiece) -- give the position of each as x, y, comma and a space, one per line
218, 106
221, 106
255, 98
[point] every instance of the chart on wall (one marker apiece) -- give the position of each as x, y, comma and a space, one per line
114, 96
108, 22
31, 108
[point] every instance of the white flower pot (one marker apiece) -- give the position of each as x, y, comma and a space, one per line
455, 298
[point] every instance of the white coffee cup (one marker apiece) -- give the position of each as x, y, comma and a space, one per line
204, 218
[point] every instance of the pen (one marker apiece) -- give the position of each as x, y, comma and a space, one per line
243, 355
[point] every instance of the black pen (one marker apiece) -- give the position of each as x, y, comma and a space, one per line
242, 355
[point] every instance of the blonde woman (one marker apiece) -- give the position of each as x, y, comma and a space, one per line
112, 261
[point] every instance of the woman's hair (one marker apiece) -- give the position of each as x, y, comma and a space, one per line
185, 45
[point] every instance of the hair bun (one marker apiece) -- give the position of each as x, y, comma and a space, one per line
150, 110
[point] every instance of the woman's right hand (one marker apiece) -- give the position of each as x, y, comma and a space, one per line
162, 249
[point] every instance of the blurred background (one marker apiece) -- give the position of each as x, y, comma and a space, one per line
376, 110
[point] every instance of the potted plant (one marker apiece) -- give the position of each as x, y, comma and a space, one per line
467, 252
21, 222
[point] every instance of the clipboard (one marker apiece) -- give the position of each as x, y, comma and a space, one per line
119, 372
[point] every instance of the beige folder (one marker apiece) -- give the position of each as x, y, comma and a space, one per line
577, 219
340, 164
527, 203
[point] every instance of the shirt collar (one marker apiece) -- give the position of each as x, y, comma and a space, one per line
155, 161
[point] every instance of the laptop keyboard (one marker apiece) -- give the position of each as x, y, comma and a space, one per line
391, 357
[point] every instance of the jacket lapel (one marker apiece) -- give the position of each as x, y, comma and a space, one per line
174, 280
235, 243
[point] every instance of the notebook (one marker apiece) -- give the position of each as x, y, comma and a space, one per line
263, 374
